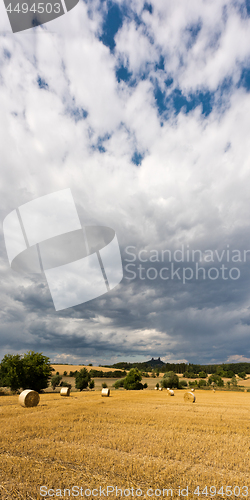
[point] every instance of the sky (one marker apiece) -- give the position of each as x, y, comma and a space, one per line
142, 110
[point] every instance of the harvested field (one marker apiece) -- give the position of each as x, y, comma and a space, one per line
73, 368
140, 439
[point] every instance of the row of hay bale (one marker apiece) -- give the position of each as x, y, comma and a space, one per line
188, 396
29, 398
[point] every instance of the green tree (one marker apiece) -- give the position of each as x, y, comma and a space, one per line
119, 383
202, 383
37, 371
65, 373
216, 380
55, 381
193, 384
65, 384
91, 384
242, 375
145, 385
234, 381
183, 383
132, 381
220, 371
170, 380
11, 372
104, 385
202, 375
31, 371
82, 379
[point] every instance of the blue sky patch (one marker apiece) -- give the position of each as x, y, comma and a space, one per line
193, 32
245, 79
112, 22
148, 7
160, 65
122, 73
42, 83
137, 158
100, 143
179, 102
248, 7
6, 54
78, 114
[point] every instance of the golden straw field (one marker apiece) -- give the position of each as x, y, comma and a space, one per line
133, 439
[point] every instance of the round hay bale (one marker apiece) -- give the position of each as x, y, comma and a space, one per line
156, 388
192, 390
189, 397
170, 392
160, 388
106, 392
29, 398
65, 391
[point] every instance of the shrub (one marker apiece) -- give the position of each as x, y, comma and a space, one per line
171, 380
220, 371
104, 385
82, 379
145, 385
202, 383
242, 375
189, 375
111, 374
91, 384
55, 381
119, 383
192, 384
132, 381
216, 380
65, 373
202, 375
65, 384
183, 383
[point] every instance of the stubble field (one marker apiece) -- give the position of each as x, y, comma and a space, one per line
144, 440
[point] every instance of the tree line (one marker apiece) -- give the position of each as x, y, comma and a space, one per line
33, 371
224, 369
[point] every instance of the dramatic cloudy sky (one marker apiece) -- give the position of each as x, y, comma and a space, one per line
143, 111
